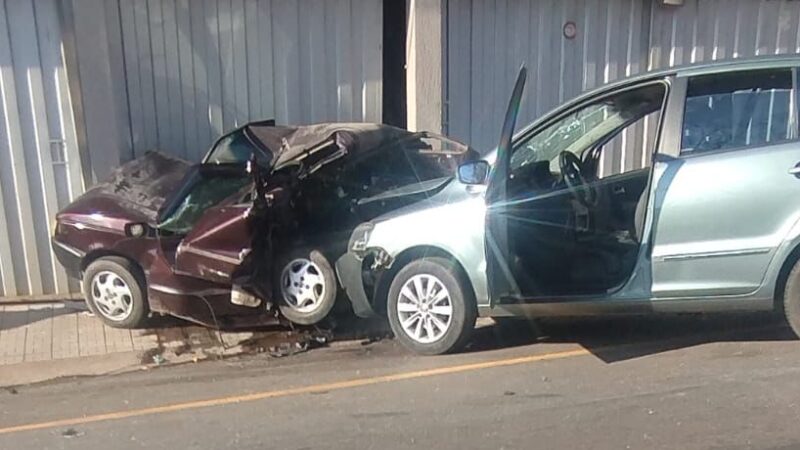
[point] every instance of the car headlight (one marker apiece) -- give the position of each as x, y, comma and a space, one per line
360, 237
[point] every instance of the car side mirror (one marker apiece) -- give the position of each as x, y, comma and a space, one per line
473, 172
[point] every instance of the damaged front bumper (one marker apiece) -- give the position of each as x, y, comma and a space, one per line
359, 274
69, 257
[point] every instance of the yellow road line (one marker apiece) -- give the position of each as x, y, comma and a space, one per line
325, 387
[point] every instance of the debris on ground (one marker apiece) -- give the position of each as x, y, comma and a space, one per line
287, 349
70, 433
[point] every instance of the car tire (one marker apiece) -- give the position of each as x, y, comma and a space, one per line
789, 307
114, 290
306, 286
435, 292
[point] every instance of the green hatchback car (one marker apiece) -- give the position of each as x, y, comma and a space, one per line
674, 191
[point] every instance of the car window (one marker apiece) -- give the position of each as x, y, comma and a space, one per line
587, 126
235, 148
205, 187
733, 110
630, 149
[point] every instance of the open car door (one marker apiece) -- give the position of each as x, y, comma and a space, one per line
211, 227
500, 278
217, 245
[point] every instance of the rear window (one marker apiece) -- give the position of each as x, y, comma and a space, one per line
734, 110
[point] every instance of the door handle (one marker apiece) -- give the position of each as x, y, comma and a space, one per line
795, 170
619, 190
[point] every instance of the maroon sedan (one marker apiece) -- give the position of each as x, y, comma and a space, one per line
249, 235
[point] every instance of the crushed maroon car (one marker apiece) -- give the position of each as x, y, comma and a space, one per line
250, 235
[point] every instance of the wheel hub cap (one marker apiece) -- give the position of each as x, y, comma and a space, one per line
302, 285
424, 308
112, 296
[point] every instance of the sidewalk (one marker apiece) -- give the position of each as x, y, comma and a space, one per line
44, 332
40, 341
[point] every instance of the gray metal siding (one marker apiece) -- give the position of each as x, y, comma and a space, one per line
39, 161
195, 69
488, 40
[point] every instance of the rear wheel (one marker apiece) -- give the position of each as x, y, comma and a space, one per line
790, 306
114, 289
431, 310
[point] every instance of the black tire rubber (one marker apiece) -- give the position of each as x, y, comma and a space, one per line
464, 307
789, 307
133, 276
329, 280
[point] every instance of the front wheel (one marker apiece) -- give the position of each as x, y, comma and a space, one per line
430, 308
115, 290
307, 286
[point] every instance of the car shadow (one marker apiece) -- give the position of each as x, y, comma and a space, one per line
624, 338
16, 316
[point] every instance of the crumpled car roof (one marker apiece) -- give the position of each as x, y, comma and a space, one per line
286, 143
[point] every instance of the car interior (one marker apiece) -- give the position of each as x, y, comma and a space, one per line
574, 223
363, 186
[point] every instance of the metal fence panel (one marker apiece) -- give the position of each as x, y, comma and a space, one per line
488, 40
39, 161
198, 68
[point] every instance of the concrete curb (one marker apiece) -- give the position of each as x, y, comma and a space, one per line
39, 371
41, 299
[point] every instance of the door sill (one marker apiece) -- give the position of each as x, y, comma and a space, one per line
605, 306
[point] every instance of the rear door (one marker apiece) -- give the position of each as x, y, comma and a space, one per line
728, 197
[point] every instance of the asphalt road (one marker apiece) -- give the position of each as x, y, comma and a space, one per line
728, 382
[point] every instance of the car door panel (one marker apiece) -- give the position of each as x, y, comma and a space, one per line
217, 244
721, 219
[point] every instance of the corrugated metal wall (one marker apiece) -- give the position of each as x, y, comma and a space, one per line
198, 68
488, 40
39, 162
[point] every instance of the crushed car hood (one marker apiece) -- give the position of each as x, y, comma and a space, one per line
138, 188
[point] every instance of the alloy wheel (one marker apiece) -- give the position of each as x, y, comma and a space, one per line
424, 308
112, 296
302, 285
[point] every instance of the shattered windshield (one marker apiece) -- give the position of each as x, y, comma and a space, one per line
204, 188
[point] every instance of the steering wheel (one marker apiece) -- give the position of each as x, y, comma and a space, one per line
572, 171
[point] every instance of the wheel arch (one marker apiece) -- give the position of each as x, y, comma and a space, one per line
381, 291
94, 255
783, 274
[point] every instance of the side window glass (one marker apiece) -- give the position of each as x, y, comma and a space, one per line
733, 110
630, 149
587, 130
